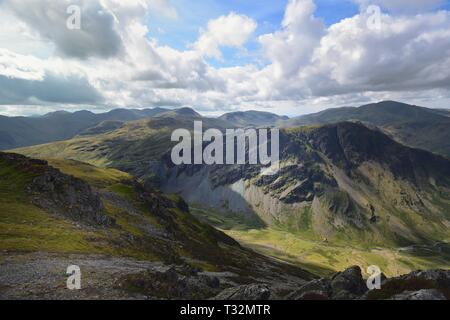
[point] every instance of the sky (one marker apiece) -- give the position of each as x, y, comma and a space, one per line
289, 57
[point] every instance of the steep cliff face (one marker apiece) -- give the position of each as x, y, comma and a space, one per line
342, 178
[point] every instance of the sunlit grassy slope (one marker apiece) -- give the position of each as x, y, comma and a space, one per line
148, 225
26, 227
131, 148
137, 140
321, 257
326, 258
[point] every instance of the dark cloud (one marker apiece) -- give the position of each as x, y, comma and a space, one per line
52, 89
97, 36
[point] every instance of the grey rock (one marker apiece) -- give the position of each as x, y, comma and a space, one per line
348, 285
169, 283
314, 295
417, 285
440, 277
245, 292
315, 289
425, 294
68, 196
59, 193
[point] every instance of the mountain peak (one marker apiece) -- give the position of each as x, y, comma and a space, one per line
181, 112
252, 118
414, 126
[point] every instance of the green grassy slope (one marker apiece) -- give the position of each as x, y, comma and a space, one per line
25, 227
136, 147
301, 247
328, 257
148, 225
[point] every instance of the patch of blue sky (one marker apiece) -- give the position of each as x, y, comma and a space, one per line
445, 6
192, 16
333, 11
184, 30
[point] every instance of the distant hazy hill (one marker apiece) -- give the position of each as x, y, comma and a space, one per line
253, 118
26, 131
187, 113
418, 127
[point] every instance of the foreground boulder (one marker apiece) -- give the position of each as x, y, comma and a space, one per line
245, 292
174, 282
348, 285
345, 285
319, 289
417, 285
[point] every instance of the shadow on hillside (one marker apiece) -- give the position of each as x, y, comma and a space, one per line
228, 220
291, 259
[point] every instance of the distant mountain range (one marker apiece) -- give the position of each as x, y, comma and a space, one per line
16, 132
419, 127
253, 118
25, 131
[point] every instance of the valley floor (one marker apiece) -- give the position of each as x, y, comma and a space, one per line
325, 258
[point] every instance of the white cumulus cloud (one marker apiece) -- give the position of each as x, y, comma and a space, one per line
232, 30
302, 66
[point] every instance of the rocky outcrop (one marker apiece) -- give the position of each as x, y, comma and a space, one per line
245, 292
319, 289
440, 278
349, 285
59, 193
417, 285
68, 196
174, 282
345, 285
424, 294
